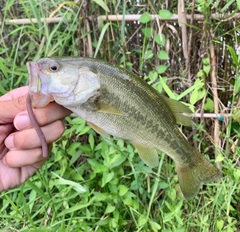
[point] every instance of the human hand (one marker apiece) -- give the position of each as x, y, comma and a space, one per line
20, 147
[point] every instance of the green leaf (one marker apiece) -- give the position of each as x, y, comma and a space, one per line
96, 166
102, 4
73, 148
155, 226
33, 186
236, 174
166, 88
128, 201
163, 185
233, 54
238, 4
148, 54
160, 39
116, 160
201, 74
152, 77
84, 130
109, 209
236, 115
145, 17
206, 69
142, 220
227, 6
187, 91
161, 68
122, 190
165, 14
148, 32
100, 23
60, 181
236, 85
208, 105
219, 158
91, 141
107, 178
206, 61
3, 67
220, 224
2, 90
104, 29
162, 55
199, 91
129, 64
197, 95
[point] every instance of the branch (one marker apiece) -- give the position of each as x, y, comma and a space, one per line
213, 74
175, 17
196, 17
182, 21
220, 117
33, 20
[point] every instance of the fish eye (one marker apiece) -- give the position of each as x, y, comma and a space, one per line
54, 67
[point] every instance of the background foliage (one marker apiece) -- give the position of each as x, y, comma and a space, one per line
94, 184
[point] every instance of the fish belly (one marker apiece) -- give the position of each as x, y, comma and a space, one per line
141, 128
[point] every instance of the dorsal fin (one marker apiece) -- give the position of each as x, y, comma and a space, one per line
177, 109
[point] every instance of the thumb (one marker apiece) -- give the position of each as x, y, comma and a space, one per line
12, 103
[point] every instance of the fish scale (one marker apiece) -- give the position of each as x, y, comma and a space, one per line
117, 102
147, 117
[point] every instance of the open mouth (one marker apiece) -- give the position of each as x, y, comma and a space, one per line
38, 85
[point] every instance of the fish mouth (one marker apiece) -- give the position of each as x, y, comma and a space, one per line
38, 85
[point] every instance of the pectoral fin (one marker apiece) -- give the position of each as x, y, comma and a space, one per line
105, 108
177, 108
147, 154
98, 130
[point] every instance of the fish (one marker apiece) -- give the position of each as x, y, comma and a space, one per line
117, 102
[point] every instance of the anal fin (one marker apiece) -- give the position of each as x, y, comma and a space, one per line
147, 154
98, 130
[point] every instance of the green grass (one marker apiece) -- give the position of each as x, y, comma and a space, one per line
94, 184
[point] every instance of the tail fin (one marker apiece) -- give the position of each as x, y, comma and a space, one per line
192, 176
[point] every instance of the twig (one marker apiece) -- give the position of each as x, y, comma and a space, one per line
33, 20
217, 140
188, 70
219, 117
196, 17
182, 21
87, 27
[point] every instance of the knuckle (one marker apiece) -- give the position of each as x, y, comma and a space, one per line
42, 116
59, 128
19, 141
54, 131
20, 102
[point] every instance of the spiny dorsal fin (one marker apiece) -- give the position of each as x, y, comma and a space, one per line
177, 109
147, 154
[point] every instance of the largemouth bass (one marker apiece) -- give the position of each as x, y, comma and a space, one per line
117, 102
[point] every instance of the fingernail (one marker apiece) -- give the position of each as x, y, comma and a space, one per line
21, 121
9, 142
